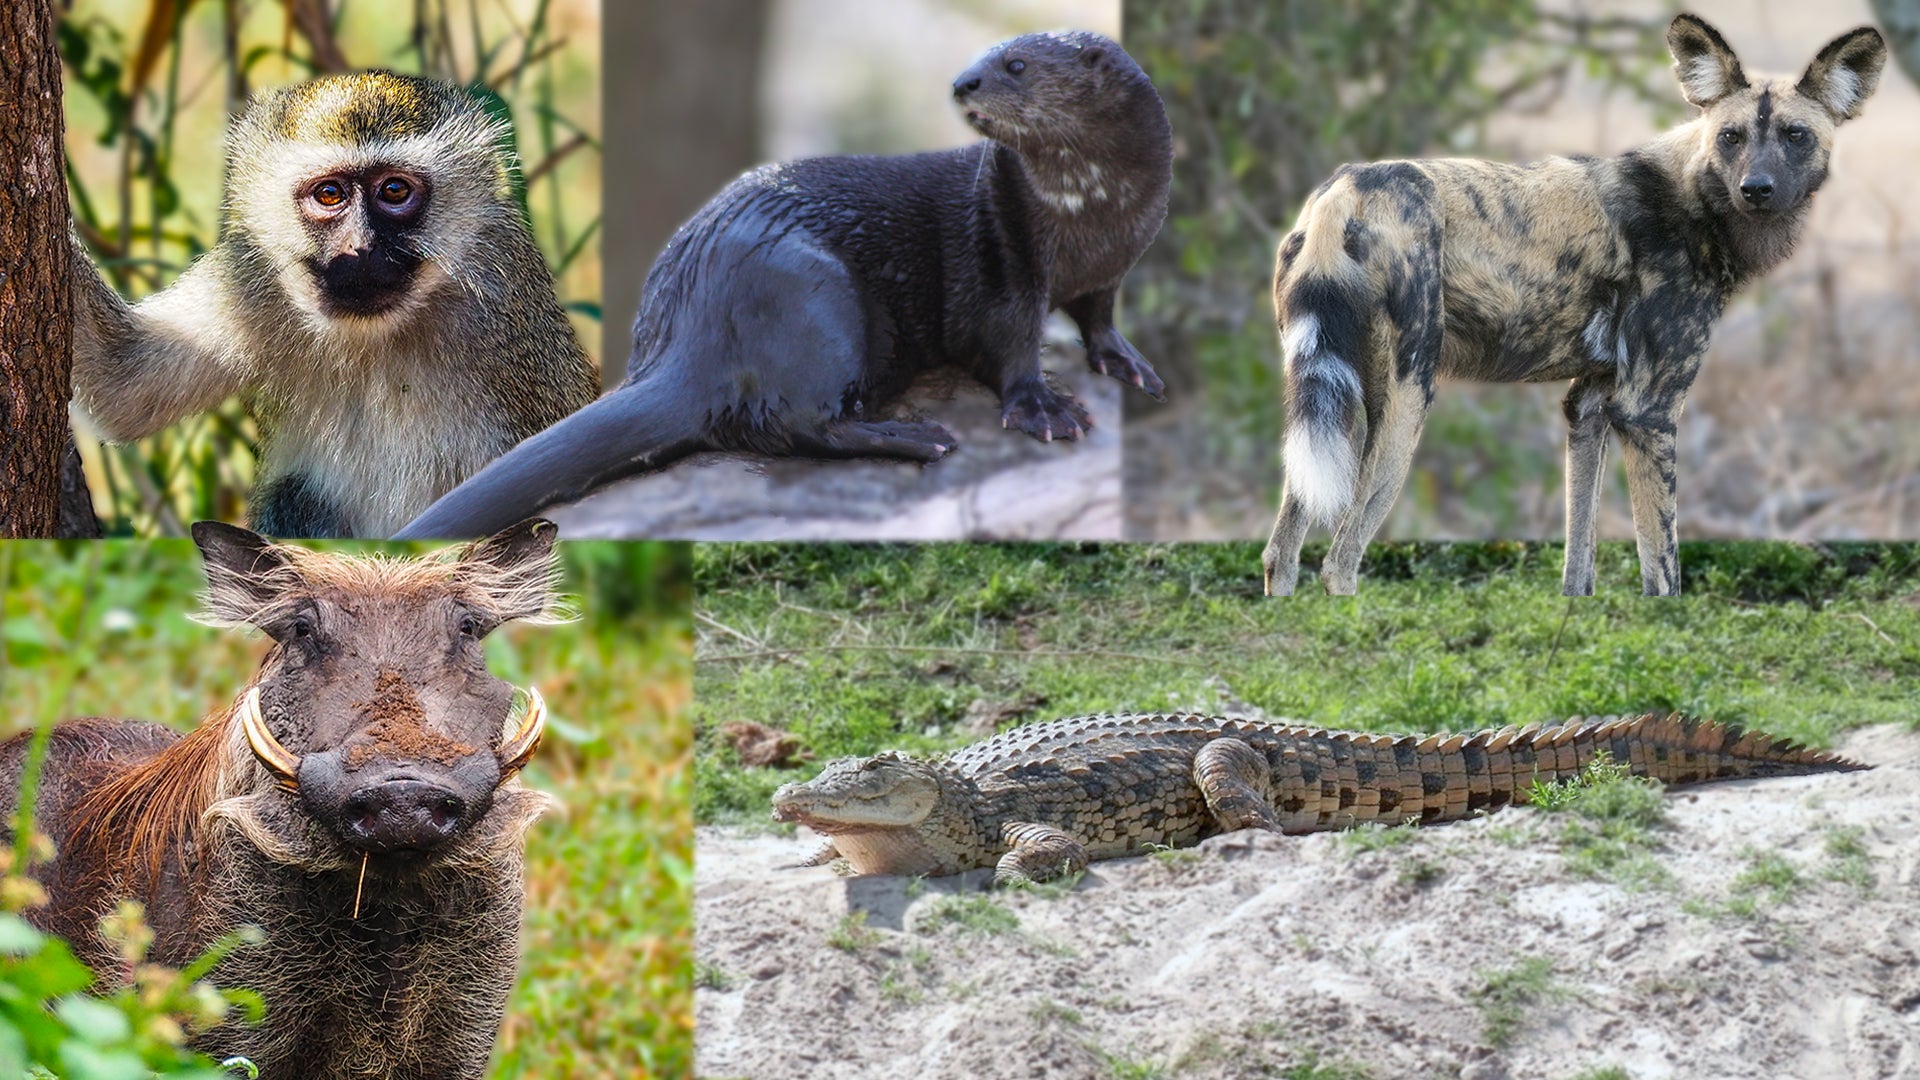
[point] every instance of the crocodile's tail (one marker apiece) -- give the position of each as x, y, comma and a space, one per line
1446, 777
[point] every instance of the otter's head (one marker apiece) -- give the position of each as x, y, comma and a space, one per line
1051, 90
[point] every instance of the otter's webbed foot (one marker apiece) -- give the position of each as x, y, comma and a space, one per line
1032, 406
1110, 354
1040, 853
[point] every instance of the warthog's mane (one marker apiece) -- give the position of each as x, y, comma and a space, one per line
286, 578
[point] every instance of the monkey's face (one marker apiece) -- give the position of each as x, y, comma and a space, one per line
364, 225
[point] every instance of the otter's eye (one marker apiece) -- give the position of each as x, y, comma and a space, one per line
1015, 67
329, 193
1796, 134
1733, 137
394, 191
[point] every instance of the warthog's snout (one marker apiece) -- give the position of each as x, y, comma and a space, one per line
402, 815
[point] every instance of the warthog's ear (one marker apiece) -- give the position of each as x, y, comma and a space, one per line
1706, 66
245, 573
1846, 72
518, 569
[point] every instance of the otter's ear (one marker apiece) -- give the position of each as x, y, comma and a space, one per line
246, 574
1093, 56
1846, 72
517, 570
1706, 67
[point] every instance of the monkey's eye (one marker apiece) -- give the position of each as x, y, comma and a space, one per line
1015, 67
1733, 136
394, 191
329, 193
1796, 134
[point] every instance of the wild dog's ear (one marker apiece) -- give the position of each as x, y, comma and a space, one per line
1705, 65
1846, 72
246, 574
517, 571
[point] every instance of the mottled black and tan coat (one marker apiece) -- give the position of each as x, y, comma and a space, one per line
1609, 272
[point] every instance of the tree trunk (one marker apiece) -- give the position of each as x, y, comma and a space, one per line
682, 111
36, 291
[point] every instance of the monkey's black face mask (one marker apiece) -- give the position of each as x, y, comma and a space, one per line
363, 225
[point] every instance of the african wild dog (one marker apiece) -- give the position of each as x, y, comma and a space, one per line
1609, 272
357, 803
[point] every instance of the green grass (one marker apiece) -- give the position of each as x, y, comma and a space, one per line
1610, 822
1848, 861
975, 914
605, 984
1503, 996
851, 934
860, 648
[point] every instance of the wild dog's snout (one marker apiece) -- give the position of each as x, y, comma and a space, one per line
402, 815
1757, 189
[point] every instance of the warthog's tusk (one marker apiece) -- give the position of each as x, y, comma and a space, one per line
278, 760
518, 750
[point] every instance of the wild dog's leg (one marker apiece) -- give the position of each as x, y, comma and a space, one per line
1107, 352
1281, 559
1586, 414
1391, 441
1647, 445
1236, 782
1040, 853
138, 368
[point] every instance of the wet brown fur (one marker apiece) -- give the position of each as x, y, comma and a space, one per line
1608, 272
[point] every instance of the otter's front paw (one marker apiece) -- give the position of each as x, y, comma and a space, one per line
1110, 354
1044, 413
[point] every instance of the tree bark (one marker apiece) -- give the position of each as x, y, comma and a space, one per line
682, 107
36, 290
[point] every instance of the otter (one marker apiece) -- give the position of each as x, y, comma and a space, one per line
792, 308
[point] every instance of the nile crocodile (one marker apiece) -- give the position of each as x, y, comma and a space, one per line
1041, 801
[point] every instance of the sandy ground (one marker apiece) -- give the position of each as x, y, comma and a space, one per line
1263, 950
997, 484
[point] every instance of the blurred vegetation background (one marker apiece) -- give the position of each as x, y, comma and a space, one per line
1799, 425
849, 650
102, 629
150, 86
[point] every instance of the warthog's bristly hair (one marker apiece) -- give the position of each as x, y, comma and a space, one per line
138, 819
286, 578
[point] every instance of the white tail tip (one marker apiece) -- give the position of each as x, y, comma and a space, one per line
1320, 471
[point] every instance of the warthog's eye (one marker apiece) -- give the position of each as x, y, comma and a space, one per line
300, 627
469, 626
1732, 136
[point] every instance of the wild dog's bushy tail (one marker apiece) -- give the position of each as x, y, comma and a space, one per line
1325, 306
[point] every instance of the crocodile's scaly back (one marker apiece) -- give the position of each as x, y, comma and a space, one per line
1104, 786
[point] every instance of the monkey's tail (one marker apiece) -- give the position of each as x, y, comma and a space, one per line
1325, 307
638, 427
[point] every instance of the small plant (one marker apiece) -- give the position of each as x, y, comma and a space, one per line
1610, 822
1051, 890
852, 934
1603, 1072
1419, 873
1172, 857
1770, 873
1848, 860
1374, 836
979, 915
896, 989
1310, 1067
1503, 995
1052, 1012
710, 976
1127, 1067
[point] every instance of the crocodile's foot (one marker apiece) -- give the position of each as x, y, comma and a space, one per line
1040, 853
1235, 779
821, 856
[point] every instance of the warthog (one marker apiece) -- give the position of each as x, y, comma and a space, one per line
357, 803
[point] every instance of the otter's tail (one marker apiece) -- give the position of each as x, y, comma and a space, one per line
635, 428
1325, 304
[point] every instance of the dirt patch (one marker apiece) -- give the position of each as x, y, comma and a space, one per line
1254, 953
758, 745
397, 728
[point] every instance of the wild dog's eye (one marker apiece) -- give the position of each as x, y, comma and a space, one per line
395, 191
329, 193
1015, 67
1796, 134
1733, 136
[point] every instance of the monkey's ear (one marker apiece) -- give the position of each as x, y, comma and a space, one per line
1846, 72
518, 570
1706, 66
246, 574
